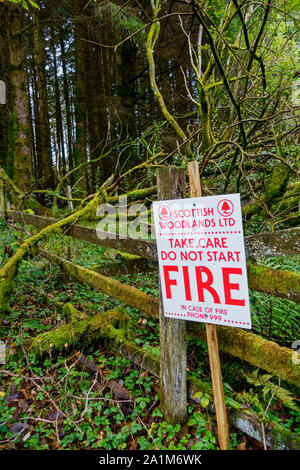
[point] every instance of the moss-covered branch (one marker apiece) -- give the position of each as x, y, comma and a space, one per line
285, 284
257, 351
28, 248
134, 195
277, 184
10, 185
151, 40
79, 332
17, 197
127, 294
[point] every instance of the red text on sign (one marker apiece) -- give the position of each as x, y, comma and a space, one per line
204, 282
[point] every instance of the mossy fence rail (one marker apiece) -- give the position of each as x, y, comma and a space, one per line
259, 352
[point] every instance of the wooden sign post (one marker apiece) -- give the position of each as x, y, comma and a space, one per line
203, 278
171, 184
212, 339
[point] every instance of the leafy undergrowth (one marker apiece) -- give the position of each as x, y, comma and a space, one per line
50, 403
53, 405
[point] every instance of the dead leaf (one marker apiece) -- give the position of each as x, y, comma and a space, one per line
242, 446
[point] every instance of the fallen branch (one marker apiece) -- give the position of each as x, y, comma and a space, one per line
28, 248
278, 182
17, 196
127, 294
284, 284
79, 332
133, 195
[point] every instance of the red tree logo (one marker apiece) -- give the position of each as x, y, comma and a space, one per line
225, 208
164, 212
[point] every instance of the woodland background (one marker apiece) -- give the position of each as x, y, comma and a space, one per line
99, 86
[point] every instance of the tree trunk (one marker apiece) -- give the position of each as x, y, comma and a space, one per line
58, 113
80, 154
44, 130
19, 125
4, 75
171, 184
67, 100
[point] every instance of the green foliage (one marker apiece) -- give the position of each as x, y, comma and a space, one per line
274, 318
124, 19
204, 399
268, 389
204, 437
25, 3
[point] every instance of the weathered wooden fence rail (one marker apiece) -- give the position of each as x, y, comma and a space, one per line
280, 243
144, 248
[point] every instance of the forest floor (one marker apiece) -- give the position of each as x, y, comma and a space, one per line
50, 403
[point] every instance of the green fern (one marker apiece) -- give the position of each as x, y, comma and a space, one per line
268, 388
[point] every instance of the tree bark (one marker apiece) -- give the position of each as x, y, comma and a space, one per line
66, 91
44, 130
80, 153
58, 112
19, 125
173, 393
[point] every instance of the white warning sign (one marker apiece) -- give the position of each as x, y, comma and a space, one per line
202, 260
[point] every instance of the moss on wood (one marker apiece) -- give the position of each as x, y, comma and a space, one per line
77, 332
276, 186
127, 294
285, 284
245, 345
72, 313
257, 351
133, 195
122, 255
28, 248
